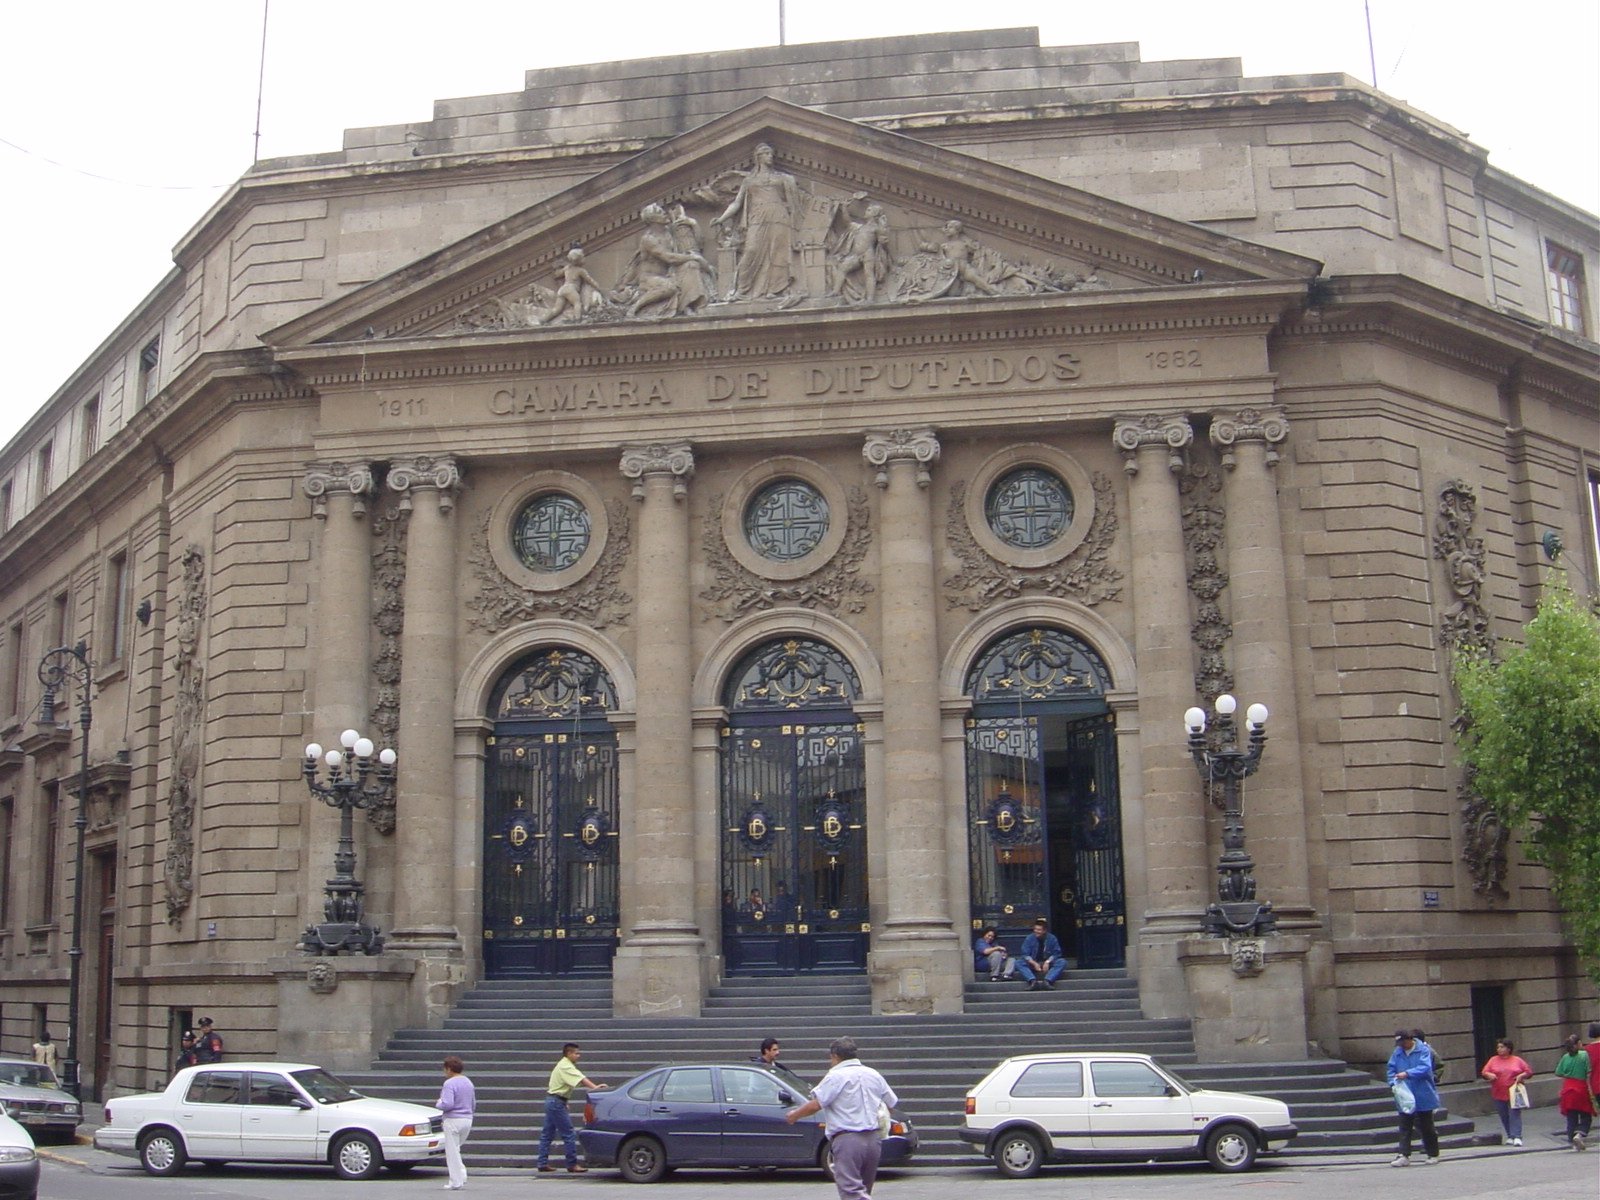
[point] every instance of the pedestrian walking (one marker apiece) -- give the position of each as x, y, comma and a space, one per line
1410, 1075
849, 1098
458, 1100
209, 1043
1506, 1071
563, 1078
1577, 1101
1593, 1051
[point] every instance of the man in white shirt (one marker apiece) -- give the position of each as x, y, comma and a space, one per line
848, 1098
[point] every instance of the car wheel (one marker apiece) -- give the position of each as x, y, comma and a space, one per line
161, 1152
642, 1160
357, 1156
825, 1159
1018, 1155
1231, 1148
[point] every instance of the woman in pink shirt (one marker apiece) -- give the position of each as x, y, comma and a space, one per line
1503, 1070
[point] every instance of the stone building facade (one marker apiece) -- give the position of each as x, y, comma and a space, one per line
781, 522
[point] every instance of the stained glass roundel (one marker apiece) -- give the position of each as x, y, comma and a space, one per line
551, 532
786, 520
1029, 508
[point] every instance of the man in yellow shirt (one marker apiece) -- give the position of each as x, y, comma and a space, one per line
563, 1078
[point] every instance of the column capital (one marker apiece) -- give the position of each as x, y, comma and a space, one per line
675, 459
1152, 429
884, 446
411, 475
339, 478
1269, 426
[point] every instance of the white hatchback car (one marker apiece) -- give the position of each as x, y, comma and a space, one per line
269, 1112
1044, 1108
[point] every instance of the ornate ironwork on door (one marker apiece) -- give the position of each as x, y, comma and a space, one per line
550, 820
794, 815
1045, 830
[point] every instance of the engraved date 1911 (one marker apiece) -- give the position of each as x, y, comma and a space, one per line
1175, 359
415, 406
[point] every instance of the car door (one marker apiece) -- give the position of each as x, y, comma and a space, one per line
754, 1132
1132, 1112
687, 1116
279, 1123
1052, 1094
211, 1114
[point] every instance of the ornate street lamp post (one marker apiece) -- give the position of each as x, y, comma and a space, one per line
66, 665
351, 782
1237, 912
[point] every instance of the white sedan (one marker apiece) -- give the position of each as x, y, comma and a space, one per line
1041, 1108
269, 1112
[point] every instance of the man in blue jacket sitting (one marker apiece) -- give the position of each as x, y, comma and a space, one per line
1041, 963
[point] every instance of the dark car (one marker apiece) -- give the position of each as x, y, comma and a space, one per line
712, 1115
19, 1165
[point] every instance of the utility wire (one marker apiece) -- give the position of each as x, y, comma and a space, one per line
157, 187
261, 79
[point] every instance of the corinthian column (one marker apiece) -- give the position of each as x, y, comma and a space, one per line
1174, 830
1275, 821
660, 965
918, 964
340, 652
425, 890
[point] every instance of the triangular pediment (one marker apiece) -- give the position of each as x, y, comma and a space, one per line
774, 208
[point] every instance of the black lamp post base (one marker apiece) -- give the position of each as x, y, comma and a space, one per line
341, 937
1239, 918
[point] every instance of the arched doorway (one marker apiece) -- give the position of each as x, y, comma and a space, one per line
794, 842
550, 819
1043, 802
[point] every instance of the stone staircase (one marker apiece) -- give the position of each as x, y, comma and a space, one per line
510, 1033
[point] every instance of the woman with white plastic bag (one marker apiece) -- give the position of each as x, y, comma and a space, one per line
1507, 1073
1410, 1075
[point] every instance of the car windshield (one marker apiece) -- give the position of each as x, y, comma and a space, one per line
790, 1078
325, 1088
27, 1075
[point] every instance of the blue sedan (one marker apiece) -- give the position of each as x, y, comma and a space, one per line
712, 1115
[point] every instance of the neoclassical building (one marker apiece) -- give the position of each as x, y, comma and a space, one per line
781, 517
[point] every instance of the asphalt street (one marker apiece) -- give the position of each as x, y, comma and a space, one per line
1534, 1173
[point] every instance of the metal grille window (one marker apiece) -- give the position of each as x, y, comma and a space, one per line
786, 521
1029, 508
551, 532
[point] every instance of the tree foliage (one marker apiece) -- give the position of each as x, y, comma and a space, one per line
1531, 732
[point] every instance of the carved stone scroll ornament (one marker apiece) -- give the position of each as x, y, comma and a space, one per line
188, 734
388, 622
595, 601
336, 477
1152, 429
1083, 575
1267, 425
1464, 626
920, 446
1204, 539
425, 472
836, 586
659, 458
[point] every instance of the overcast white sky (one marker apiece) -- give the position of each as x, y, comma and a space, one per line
121, 122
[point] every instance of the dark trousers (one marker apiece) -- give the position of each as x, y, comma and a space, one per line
1421, 1121
557, 1121
1510, 1118
1578, 1122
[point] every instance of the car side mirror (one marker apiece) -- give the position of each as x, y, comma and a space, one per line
301, 1103
1170, 1090
785, 1098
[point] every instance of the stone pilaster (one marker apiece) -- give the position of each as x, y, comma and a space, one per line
1274, 799
340, 651
425, 920
660, 966
918, 964
1174, 827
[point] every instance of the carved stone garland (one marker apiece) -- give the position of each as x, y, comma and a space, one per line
388, 621
1204, 536
836, 585
1083, 575
188, 735
595, 601
1464, 627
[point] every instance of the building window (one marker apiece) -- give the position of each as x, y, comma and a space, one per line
1594, 517
89, 427
1029, 509
148, 358
58, 621
13, 672
786, 520
117, 598
48, 853
7, 816
1565, 273
5, 506
551, 532
43, 462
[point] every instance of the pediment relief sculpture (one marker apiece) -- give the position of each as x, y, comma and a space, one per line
764, 240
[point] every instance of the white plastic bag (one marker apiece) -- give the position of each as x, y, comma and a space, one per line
1403, 1099
1519, 1096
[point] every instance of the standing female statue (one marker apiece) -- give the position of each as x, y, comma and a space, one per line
766, 207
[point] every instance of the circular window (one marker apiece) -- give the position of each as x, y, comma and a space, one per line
786, 520
551, 532
1029, 508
